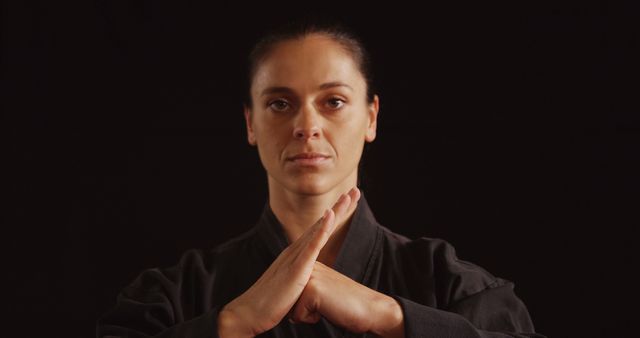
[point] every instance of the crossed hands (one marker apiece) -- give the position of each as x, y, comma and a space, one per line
298, 286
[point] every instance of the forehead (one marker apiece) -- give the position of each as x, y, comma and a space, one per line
307, 62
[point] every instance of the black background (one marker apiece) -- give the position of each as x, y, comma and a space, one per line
510, 131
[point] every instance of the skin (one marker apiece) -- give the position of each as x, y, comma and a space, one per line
334, 120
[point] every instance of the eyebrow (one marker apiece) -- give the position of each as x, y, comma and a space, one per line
272, 90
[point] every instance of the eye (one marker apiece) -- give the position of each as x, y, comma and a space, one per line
278, 105
336, 102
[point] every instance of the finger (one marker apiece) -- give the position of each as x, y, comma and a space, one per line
356, 194
309, 245
341, 207
320, 238
320, 225
355, 197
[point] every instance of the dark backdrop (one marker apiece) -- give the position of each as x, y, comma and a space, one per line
512, 132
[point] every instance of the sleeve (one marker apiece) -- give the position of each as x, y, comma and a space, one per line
165, 304
493, 313
467, 301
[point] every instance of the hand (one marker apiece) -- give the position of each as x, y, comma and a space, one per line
272, 296
347, 303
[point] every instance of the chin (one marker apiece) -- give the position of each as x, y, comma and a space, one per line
309, 186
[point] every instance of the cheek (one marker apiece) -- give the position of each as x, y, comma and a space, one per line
273, 142
349, 143
269, 131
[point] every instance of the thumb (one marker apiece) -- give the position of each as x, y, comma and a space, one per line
304, 314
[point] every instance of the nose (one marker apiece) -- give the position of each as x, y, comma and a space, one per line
306, 124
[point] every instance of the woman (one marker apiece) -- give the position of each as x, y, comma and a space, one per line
317, 256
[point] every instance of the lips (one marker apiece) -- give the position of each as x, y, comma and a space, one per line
309, 160
307, 156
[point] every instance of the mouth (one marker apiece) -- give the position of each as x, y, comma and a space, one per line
308, 159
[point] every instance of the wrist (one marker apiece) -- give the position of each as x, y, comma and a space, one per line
230, 325
391, 320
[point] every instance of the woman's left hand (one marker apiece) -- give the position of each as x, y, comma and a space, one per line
348, 304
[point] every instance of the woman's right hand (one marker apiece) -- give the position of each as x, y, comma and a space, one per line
272, 296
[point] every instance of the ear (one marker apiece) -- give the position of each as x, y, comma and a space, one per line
373, 119
247, 117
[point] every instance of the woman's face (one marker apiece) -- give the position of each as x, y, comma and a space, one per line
309, 98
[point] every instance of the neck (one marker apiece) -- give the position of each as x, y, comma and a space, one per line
297, 211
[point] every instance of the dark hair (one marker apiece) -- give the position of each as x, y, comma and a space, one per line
298, 29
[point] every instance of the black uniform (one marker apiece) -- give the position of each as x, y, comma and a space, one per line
440, 295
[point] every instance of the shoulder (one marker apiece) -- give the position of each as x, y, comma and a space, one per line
434, 261
163, 296
193, 265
